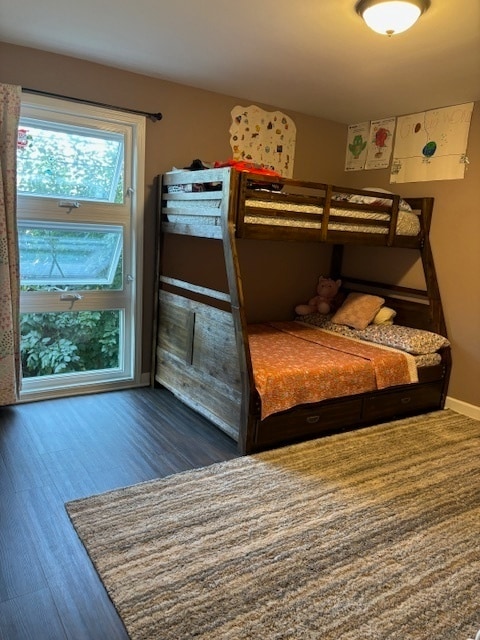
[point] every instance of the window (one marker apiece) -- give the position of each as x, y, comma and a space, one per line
66, 255
80, 218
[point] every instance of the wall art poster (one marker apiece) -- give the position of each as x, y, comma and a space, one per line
432, 145
356, 151
266, 138
380, 143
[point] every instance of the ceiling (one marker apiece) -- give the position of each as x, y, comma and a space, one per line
316, 57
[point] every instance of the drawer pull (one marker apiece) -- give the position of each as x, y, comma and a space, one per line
313, 419
406, 400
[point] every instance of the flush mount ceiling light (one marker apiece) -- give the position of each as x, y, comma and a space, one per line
390, 17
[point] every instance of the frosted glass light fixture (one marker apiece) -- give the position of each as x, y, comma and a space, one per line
390, 17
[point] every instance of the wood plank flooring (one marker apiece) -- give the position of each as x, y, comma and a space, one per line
58, 450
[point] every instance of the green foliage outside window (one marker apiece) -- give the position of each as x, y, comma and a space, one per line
65, 164
56, 343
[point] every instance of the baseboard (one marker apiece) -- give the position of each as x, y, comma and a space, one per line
464, 408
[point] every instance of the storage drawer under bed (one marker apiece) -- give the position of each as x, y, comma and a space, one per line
309, 421
389, 405
346, 413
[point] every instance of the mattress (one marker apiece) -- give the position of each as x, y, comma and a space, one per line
408, 223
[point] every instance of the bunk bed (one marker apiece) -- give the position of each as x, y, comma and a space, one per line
209, 354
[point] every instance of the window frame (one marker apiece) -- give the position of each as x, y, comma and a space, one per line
128, 215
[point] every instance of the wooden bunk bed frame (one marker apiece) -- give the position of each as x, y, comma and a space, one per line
202, 353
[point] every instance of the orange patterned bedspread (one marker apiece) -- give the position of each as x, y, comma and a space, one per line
296, 364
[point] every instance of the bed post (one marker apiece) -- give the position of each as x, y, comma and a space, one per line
336, 261
229, 225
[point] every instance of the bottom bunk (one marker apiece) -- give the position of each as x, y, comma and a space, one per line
267, 391
359, 383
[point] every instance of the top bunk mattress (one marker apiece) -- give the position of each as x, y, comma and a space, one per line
408, 223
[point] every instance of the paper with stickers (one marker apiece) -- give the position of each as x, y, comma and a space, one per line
263, 137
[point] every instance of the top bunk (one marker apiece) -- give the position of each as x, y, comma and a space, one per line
213, 203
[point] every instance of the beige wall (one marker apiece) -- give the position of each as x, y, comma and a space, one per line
195, 124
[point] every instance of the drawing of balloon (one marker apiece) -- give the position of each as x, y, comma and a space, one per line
429, 149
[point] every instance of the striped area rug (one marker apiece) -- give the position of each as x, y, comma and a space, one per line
371, 534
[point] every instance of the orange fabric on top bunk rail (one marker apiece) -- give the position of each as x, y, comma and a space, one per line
296, 364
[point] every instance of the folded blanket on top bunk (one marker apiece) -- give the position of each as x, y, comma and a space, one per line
294, 364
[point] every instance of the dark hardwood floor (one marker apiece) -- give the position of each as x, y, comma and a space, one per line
58, 450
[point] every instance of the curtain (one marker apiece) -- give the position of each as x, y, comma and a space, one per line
10, 362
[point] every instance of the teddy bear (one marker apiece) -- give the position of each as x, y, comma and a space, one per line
323, 302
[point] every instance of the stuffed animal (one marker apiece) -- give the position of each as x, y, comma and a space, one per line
323, 302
